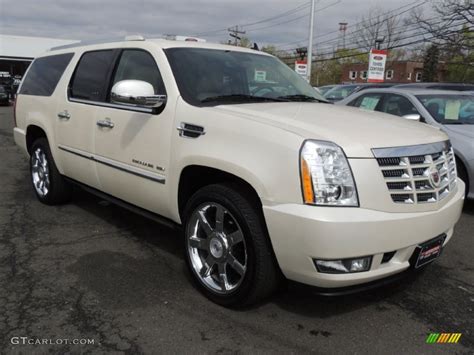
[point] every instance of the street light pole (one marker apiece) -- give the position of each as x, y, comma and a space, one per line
310, 43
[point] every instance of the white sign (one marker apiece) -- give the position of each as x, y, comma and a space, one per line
260, 75
301, 67
376, 71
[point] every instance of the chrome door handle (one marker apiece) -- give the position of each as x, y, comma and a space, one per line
190, 130
64, 115
105, 124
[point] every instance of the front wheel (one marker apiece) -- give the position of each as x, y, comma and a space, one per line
227, 248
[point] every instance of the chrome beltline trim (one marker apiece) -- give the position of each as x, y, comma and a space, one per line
412, 150
111, 105
115, 164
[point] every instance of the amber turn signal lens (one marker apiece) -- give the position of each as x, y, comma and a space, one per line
307, 183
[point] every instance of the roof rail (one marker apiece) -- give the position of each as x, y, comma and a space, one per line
99, 41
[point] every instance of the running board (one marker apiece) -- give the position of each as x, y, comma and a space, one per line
128, 206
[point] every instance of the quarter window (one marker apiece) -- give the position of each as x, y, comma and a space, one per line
44, 75
137, 64
90, 80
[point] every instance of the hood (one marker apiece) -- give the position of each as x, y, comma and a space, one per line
466, 130
356, 131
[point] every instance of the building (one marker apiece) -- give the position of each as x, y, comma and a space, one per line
17, 52
403, 71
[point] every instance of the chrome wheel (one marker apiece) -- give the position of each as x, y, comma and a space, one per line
216, 248
40, 172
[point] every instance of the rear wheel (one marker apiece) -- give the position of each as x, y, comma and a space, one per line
50, 186
227, 248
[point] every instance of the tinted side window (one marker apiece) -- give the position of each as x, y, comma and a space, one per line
397, 105
90, 80
367, 101
139, 65
44, 75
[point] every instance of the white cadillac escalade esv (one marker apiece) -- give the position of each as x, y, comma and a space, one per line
266, 178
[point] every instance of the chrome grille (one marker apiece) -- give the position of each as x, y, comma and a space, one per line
418, 174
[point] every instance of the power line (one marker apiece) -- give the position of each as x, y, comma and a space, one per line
411, 6
423, 40
294, 19
404, 29
286, 13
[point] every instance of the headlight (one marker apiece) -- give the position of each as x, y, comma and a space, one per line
326, 176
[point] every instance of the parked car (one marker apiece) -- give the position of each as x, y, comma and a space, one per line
324, 89
4, 96
452, 111
340, 92
265, 183
438, 86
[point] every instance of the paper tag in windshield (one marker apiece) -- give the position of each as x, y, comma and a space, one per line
369, 103
260, 75
451, 112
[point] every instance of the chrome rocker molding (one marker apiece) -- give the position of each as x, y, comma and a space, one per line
115, 164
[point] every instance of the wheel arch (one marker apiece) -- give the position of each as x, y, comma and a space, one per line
195, 176
34, 132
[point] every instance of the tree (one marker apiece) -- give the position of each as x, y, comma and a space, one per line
453, 18
430, 64
453, 34
329, 70
377, 25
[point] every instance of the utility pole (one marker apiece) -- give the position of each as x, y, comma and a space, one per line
234, 32
342, 30
310, 42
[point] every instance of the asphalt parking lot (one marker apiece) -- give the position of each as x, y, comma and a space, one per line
90, 270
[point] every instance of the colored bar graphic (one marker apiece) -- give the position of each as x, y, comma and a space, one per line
443, 338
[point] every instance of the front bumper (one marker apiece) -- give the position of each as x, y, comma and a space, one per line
301, 233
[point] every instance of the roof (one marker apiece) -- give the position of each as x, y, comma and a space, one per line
160, 42
20, 47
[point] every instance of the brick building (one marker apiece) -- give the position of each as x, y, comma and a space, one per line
395, 71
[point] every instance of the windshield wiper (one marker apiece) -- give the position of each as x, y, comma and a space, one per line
301, 98
453, 122
240, 98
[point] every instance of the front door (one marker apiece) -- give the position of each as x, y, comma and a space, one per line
132, 144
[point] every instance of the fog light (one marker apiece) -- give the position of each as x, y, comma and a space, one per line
343, 266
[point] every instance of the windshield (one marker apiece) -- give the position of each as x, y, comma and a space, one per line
210, 77
340, 92
449, 109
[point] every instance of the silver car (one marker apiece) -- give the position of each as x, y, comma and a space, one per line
451, 111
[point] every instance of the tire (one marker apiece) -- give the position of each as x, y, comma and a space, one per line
462, 174
49, 185
241, 237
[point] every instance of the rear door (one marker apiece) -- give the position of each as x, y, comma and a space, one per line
76, 115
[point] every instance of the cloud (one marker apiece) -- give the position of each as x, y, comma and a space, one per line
94, 19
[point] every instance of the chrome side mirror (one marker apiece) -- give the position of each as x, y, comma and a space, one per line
136, 93
413, 117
